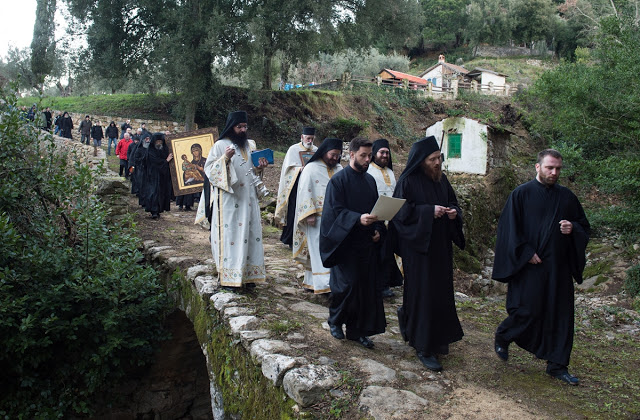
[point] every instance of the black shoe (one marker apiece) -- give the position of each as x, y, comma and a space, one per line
188, 208
365, 341
568, 378
155, 216
229, 288
336, 331
429, 361
180, 208
501, 350
249, 286
387, 293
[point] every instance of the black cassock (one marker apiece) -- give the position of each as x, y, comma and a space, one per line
540, 297
157, 181
428, 317
287, 231
348, 248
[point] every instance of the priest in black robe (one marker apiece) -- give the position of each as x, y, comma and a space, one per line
350, 239
157, 179
423, 232
542, 237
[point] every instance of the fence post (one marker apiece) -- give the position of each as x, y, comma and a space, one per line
454, 86
474, 85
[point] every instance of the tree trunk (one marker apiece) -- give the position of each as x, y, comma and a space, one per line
190, 115
266, 76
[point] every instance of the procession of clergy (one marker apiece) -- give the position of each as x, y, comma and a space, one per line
325, 211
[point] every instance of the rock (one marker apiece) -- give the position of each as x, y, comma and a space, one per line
377, 372
307, 385
381, 402
156, 249
430, 388
286, 290
236, 311
324, 360
312, 309
243, 323
636, 247
409, 375
206, 285
274, 367
461, 297
223, 299
260, 348
588, 283
248, 337
198, 270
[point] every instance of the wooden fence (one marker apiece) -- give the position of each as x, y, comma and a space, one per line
427, 89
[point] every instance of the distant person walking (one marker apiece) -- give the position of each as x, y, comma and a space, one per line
97, 134
112, 134
66, 125
85, 130
121, 150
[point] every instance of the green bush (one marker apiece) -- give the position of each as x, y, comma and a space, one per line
632, 281
76, 310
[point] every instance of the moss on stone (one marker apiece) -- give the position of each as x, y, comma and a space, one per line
245, 390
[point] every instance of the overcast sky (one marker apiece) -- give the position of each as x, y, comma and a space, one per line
17, 25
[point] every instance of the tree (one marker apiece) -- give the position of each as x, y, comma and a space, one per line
489, 21
445, 21
43, 46
18, 68
533, 20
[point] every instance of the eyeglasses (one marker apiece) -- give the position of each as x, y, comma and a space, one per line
383, 152
242, 127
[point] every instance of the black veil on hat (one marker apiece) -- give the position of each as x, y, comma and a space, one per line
308, 131
418, 153
381, 144
233, 119
330, 143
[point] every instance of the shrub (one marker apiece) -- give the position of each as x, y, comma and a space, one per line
76, 308
632, 281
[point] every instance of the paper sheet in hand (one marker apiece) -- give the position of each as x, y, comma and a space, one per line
387, 207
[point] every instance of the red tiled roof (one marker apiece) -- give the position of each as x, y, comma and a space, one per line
399, 75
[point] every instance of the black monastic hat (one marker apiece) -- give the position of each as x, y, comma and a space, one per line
233, 119
380, 144
309, 131
330, 143
418, 153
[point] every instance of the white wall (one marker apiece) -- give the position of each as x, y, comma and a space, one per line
437, 73
473, 148
498, 81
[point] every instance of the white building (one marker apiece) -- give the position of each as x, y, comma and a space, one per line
441, 74
464, 144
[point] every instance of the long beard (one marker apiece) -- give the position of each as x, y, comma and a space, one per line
434, 173
238, 139
158, 146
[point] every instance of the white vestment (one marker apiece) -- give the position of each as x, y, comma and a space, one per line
236, 228
306, 239
386, 184
291, 167
385, 179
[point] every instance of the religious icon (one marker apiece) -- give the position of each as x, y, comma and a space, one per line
189, 150
305, 156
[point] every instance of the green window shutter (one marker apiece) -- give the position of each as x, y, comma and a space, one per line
454, 146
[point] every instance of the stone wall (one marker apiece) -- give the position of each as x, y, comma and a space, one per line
491, 51
152, 125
